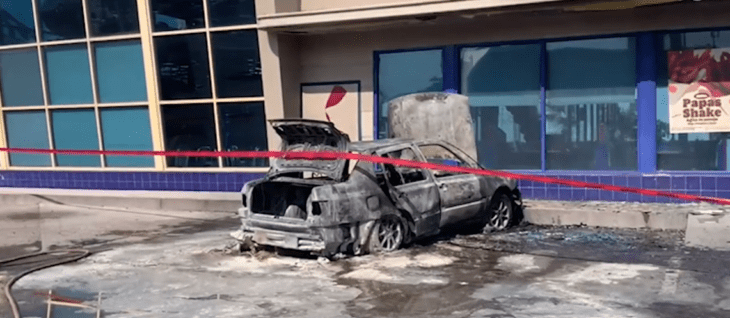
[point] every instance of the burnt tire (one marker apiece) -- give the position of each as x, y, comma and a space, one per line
388, 235
501, 212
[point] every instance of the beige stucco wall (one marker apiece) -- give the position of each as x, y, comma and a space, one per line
349, 56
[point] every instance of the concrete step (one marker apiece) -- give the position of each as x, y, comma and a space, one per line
145, 200
705, 225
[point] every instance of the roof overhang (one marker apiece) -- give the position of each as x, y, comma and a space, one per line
303, 21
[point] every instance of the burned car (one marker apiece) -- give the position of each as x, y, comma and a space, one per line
348, 206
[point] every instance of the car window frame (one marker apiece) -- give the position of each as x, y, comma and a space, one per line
427, 177
468, 161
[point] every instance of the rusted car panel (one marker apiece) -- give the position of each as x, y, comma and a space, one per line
311, 206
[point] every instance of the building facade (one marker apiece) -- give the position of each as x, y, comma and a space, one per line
572, 89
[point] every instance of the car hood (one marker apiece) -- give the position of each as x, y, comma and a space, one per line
309, 135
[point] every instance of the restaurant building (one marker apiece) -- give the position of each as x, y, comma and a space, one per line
629, 93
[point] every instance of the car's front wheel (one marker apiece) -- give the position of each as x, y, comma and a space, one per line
387, 235
501, 213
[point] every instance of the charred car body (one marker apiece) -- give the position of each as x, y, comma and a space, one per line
346, 206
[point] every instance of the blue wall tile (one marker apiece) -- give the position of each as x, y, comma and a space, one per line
692, 183
678, 183
723, 184
708, 182
648, 182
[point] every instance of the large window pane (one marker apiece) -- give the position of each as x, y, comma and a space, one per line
16, 22
61, 19
120, 72
69, 79
170, 15
75, 129
189, 127
27, 130
182, 64
591, 105
111, 17
20, 78
126, 129
237, 64
406, 73
230, 12
503, 85
243, 127
693, 151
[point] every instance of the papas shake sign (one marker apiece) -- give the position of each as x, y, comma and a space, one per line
699, 91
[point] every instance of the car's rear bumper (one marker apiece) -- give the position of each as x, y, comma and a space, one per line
294, 235
293, 241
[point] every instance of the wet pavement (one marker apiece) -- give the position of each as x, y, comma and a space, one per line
526, 272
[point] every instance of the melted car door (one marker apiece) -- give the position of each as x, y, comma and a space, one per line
460, 193
414, 191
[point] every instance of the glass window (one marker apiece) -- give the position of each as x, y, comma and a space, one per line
189, 127
61, 19
398, 175
126, 129
440, 155
237, 64
120, 72
503, 85
406, 73
27, 130
16, 25
170, 15
75, 129
693, 151
111, 17
20, 78
243, 127
69, 79
182, 64
591, 105
230, 12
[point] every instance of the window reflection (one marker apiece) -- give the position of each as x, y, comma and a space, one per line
237, 64
20, 78
61, 19
75, 129
168, 15
591, 105
68, 76
243, 127
16, 22
230, 12
693, 151
189, 127
182, 65
120, 72
126, 129
27, 130
110, 17
405, 73
503, 85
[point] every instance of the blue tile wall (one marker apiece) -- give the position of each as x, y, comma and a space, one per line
152, 181
711, 185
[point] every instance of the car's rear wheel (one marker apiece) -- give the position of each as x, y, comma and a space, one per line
501, 213
387, 235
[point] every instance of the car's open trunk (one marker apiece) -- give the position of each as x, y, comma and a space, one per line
282, 199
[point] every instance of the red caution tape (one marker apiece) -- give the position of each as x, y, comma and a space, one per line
325, 155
